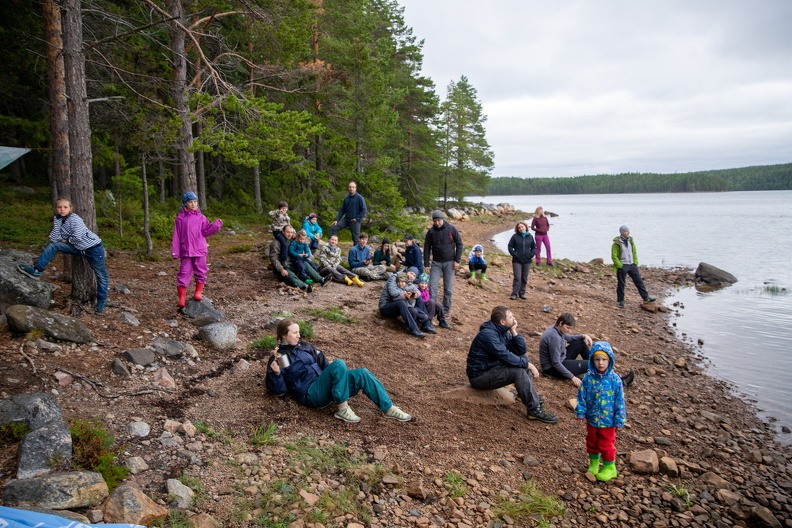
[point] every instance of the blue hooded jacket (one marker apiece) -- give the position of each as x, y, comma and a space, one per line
600, 399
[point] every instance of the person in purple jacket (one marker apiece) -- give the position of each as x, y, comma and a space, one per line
189, 246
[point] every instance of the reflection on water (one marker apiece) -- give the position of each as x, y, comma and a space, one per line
746, 328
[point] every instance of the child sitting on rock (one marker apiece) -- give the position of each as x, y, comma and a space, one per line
600, 402
476, 262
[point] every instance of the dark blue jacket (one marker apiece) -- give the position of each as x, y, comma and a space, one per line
354, 206
493, 346
413, 258
522, 248
306, 364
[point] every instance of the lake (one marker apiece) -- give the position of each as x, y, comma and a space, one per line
746, 328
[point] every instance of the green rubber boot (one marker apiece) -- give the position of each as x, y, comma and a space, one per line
483, 276
608, 471
594, 464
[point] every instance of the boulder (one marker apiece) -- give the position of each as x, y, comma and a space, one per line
220, 335
203, 308
455, 214
16, 288
468, 394
40, 447
130, 505
709, 274
61, 491
173, 349
713, 480
35, 410
139, 356
180, 493
644, 461
22, 318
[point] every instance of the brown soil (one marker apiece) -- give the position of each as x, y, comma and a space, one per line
445, 434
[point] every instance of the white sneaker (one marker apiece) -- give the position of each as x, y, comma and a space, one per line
397, 414
347, 415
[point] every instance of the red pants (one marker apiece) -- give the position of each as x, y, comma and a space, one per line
601, 440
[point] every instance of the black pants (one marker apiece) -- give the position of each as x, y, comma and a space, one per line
576, 366
635, 275
500, 376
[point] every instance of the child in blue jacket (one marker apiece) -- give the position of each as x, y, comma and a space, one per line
313, 229
476, 262
600, 402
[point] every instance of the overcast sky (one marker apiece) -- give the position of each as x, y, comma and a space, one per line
589, 87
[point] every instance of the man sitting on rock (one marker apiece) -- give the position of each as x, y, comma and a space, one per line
498, 357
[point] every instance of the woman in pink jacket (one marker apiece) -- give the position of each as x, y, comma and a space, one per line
189, 245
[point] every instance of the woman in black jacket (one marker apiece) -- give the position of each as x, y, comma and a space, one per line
521, 248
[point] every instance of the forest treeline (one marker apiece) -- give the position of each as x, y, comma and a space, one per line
757, 178
245, 102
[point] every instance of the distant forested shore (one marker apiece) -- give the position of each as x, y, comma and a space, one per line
758, 178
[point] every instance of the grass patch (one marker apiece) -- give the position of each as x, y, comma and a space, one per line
333, 314
306, 330
264, 434
13, 432
306, 459
265, 343
682, 492
532, 507
238, 248
455, 484
772, 289
205, 428
176, 519
93, 448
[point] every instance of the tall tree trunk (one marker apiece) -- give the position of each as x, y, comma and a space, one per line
146, 227
161, 181
185, 140
257, 189
83, 283
59, 114
200, 173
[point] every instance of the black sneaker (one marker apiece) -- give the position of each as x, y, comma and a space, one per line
628, 378
417, 333
444, 324
513, 297
543, 416
428, 328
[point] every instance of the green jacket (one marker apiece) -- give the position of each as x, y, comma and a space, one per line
616, 249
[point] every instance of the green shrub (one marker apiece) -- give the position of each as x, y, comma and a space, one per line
13, 432
238, 248
93, 449
265, 343
306, 330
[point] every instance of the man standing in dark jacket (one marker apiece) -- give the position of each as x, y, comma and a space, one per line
351, 214
498, 357
443, 244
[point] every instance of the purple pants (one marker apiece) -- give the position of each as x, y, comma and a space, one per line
543, 239
191, 266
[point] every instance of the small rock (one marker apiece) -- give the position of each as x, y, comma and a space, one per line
122, 289
129, 319
644, 461
136, 465
181, 493
140, 429
309, 497
119, 368
164, 379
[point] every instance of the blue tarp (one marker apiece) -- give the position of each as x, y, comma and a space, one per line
14, 518
9, 155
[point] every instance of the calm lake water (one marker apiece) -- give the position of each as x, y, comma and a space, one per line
747, 327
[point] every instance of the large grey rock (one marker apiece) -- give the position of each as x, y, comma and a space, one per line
130, 505
181, 493
709, 274
41, 447
173, 349
139, 356
61, 491
35, 410
16, 288
23, 318
202, 308
220, 335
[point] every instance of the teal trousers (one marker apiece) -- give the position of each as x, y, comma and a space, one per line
337, 384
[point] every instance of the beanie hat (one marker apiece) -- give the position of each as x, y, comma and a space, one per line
601, 352
386, 240
412, 269
623, 229
312, 215
478, 247
437, 214
424, 277
186, 197
407, 237
401, 277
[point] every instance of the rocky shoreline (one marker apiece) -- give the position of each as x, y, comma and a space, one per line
693, 454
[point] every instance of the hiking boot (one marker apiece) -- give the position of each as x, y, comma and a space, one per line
444, 324
30, 271
649, 299
513, 297
428, 328
397, 414
416, 333
99, 310
620, 304
523, 297
348, 281
628, 378
325, 280
543, 416
347, 415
